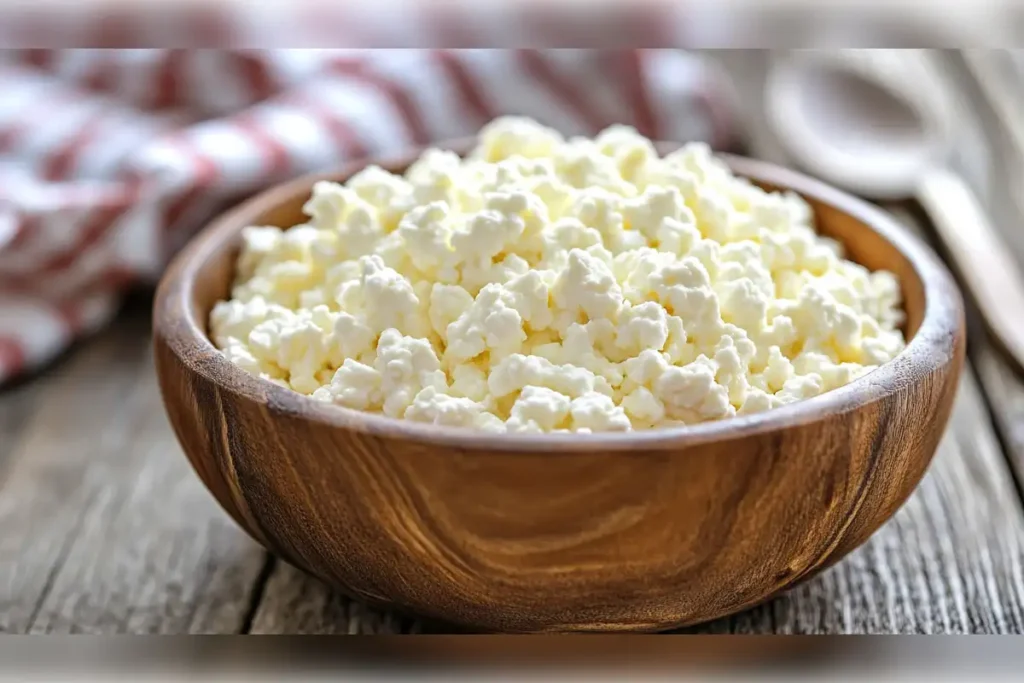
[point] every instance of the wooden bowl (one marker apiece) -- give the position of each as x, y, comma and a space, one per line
638, 531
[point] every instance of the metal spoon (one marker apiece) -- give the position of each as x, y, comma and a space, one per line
880, 124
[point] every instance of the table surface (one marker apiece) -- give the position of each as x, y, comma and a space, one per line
104, 528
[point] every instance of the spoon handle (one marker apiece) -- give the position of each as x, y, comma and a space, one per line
986, 265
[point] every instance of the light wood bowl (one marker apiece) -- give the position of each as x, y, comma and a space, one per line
639, 531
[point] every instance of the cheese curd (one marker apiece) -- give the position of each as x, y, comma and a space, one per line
552, 285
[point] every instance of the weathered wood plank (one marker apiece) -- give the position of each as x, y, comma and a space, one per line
19, 400
43, 495
296, 603
103, 526
1005, 393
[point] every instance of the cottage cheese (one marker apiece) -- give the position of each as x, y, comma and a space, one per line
552, 285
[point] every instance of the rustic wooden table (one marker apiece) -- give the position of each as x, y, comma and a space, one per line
105, 529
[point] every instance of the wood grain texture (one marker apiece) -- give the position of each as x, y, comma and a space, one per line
102, 528
640, 531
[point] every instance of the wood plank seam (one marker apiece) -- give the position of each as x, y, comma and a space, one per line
258, 590
1005, 445
58, 565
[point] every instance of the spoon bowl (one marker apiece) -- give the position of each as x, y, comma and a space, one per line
854, 124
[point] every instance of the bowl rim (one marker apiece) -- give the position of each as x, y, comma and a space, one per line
933, 346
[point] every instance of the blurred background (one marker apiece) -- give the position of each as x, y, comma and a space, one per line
123, 130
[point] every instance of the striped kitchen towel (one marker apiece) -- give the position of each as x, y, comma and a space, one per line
111, 159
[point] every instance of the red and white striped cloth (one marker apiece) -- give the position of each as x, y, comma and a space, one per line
111, 159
